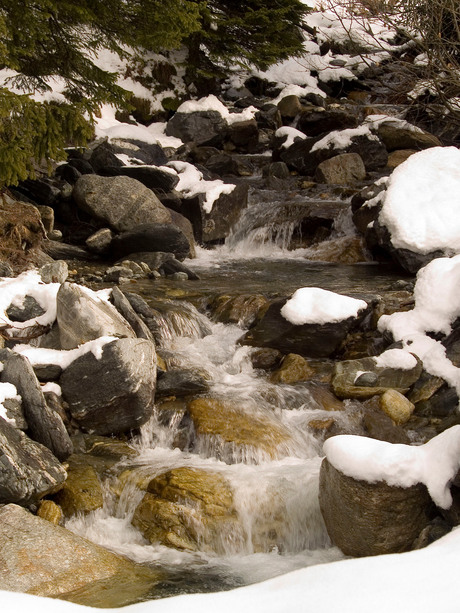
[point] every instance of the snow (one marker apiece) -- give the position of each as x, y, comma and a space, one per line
437, 306
423, 581
28, 283
291, 135
7, 391
313, 305
341, 139
212, 103
61, 357
422, 200
434, 464
396, 358
191, 183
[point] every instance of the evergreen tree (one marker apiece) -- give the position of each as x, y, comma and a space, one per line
44, 39
248, 32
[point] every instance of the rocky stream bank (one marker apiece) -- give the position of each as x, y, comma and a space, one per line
103, 300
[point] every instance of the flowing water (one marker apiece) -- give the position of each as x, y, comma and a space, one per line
278, 525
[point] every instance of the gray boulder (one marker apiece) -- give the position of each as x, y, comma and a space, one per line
150, 176
365, 519
118, 395
122, 202
123, 306
83, 317
44, 425
28, 470
201, 127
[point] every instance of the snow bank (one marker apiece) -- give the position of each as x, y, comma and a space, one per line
396, 358
212, 103
435, 463
437, 306
422, 201
424, 581
313, 305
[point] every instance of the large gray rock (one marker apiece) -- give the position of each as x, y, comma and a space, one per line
201, 127
28, 470
40, 558
119, 387
122, 202
122, 304
82, 317
365, 519
44, 425
309, 340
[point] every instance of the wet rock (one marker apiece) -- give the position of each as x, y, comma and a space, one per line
307, 340
396, 406
82, 491
243, 310
189, 508
266, 358
381, 427
122, 202
63, 251
44, 425
50, 511
82, 316
118, 395
201, 127
173, 267
348, 378
230, 431
180, 382
343, 169
57, 561
29, 470
366, 519
293, 368
342, 250
163, 237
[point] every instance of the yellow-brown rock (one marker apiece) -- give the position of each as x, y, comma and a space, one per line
293, 368
396, 406
82, 490
243, 428
190, 509
50, 511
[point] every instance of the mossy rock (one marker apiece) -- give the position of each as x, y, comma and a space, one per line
82, 490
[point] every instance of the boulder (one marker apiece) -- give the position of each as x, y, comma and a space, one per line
290, 106
44, 425
180, 382
123, 306
122, 202
309, 340
82, 316
314, 121
228, 431
118, 395
200, 127
54, 272
243, 310
365, 519
244, 135
40, 558
100, 241
164, 237
343, 169
144, 152
294, 368
29, 470
363, 378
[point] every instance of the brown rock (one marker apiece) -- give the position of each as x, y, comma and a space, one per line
365, 519
396, 406
343, 169
293, 368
